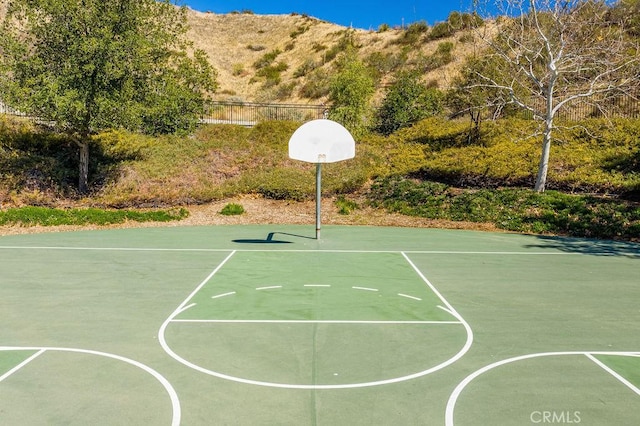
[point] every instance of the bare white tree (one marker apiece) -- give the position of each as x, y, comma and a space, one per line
547, 55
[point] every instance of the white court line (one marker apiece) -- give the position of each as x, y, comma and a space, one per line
453, 398
231, 293
210, 250
175, 401
408, 297
428, 283
22, 364
318, 285
364, 288
202, 284
171, 353
235, 321
614, 374
172, 318
271, 287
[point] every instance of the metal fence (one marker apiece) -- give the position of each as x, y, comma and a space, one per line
623, 106
242, 113
249, 114
4, 109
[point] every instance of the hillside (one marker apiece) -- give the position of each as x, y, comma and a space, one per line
234, 42
308, 48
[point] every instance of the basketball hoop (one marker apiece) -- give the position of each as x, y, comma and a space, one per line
321, 141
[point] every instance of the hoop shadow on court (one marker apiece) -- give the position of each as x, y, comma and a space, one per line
271, 240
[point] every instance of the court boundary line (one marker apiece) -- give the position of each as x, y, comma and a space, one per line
223, 250
173, 395
453, 398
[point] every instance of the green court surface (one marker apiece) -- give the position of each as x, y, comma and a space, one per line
265, 325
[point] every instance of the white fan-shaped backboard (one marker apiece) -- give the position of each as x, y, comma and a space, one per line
321, 141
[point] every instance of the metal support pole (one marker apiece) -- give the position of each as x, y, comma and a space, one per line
318, 197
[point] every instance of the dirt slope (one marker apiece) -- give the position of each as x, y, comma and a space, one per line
234, 42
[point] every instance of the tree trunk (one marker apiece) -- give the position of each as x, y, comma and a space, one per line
83, 178
543, 166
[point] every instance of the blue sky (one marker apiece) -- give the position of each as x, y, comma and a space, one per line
359, 14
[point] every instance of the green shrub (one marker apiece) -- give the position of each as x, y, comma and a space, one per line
520, 210
413, 33
123, 145
285, 91
407, 100
439, 58
345, 206
344, 44
30, 216
384, 63
272, 73
441, 30
286, 184
238, 69
317, 84
267, 59
350, 92
232, 209
304, 69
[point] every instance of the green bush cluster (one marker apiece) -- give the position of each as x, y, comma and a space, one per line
456, 21
122, 145
266, 59
407, 100
232, 209
345, 206
441, 30
345, 43
384, 63
442, 56
272, 73
520, 210
45, 216
413, 33
317, 84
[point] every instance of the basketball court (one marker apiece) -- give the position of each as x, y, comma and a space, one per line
269, 325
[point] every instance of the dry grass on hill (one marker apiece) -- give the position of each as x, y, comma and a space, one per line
234, 42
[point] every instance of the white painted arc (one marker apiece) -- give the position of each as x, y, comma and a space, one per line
163, 342
175, 401
453, 398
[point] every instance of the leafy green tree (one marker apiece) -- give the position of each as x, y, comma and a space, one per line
407, 100
350, 92
89, 65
